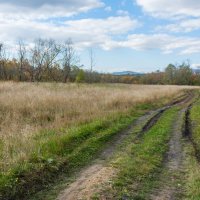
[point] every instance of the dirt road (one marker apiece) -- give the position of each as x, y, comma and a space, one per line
91, 179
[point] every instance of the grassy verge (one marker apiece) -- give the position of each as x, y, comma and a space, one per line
195, 125
63, 153
141, 160
192, 164
193, 174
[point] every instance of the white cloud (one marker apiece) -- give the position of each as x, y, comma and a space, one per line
187, 19
40, 3
169, 8
108, 9
186, 26
111, 25
162, 42
84, 32
122, 12
28, 9
195, 66
99, 33
22, 20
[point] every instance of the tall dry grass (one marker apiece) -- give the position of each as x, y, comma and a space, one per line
26, 108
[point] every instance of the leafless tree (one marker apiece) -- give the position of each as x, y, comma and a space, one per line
69, 58
92, 59
52, 56
22, 57
37, 56
3, 60
92, 62
43, 57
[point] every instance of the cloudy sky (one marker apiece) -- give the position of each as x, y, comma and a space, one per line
137, 35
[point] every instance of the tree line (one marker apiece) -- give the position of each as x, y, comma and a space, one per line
46, 60
179, 74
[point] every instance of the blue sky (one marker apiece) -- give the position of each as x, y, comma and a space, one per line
136, 35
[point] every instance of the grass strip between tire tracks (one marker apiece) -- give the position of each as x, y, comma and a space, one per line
142, 159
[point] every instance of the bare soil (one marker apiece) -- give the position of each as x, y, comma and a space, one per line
92, 178
88, 182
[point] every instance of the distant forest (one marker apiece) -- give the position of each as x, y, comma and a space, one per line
46, 60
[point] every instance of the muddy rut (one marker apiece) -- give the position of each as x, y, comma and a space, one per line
91, 179
170, 186
170, 183
188, 131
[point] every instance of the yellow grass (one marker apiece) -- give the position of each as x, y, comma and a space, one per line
26, 108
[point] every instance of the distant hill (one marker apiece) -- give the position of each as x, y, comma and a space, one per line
127, 73
196, 71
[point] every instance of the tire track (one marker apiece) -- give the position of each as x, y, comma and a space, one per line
171, 177
91, 179
188, 130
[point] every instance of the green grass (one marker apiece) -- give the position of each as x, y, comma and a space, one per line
195, 119
142, 159
192, 174
64, 153
192, 165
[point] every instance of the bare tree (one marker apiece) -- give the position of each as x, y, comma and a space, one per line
52, 57
22, 57
69, 58
43, 56
37, 55
92, 62
3, 61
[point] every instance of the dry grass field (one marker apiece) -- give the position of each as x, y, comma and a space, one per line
27, 108
51, 130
